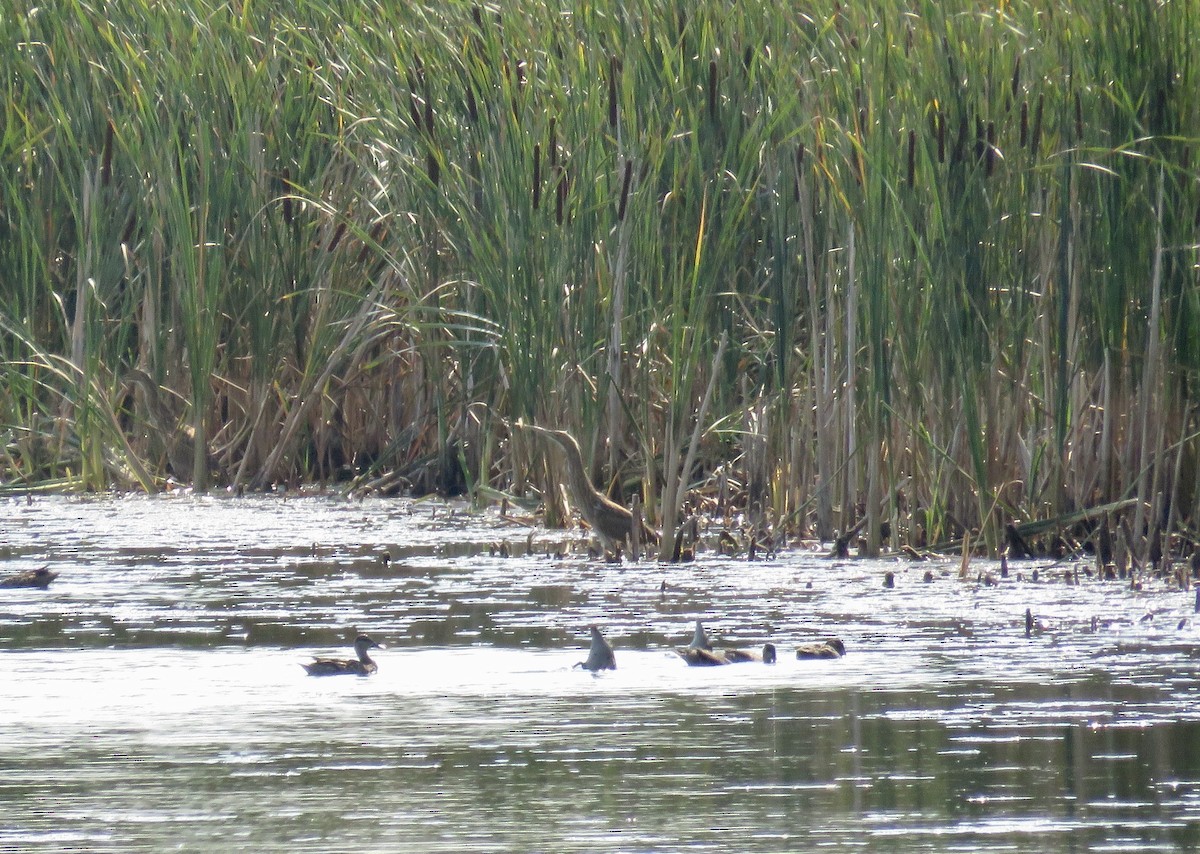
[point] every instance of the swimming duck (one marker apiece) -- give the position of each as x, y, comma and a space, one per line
600, 656
736, 656
828, 648
40, 577
363, 666
699, 653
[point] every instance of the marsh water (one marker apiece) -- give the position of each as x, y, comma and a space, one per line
152, 697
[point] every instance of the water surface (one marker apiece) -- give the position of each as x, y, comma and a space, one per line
153, 698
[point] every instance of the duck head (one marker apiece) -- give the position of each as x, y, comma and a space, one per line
362, 643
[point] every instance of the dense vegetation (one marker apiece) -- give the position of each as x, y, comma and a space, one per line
934, 263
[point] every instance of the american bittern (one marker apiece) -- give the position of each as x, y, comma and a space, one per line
611, 522
600, 656
178, 441
362, 666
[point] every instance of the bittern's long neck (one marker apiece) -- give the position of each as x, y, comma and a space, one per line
159, 414
581, 485
577, 479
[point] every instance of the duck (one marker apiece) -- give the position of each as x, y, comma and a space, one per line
699, 653
40, 577
766, 656
362, 666
600, 656
828, 648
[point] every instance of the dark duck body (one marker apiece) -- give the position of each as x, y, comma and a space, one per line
766, 656
600, 655
361, 666
699, 653
40, 577
828, 648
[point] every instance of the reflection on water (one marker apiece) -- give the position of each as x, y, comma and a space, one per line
153, 697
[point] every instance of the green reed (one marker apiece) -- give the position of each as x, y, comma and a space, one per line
353, 242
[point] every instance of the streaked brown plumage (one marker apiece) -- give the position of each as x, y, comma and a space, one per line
611, 522
178, 440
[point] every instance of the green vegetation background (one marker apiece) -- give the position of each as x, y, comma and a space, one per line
931, 262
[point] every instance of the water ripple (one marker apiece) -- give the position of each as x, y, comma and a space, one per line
158, 693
